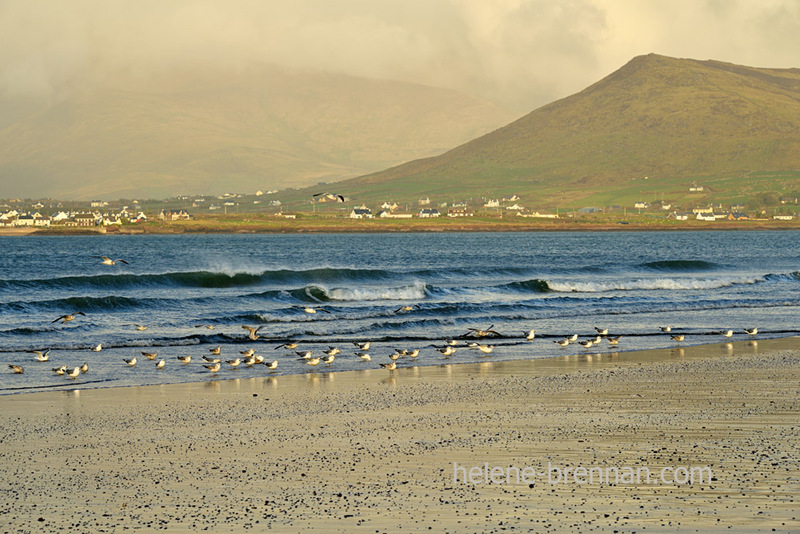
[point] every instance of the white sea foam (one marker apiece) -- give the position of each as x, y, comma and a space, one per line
416, 291
649, 284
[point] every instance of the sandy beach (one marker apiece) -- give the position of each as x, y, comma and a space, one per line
375, 451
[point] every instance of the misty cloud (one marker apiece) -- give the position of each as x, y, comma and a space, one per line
519, 53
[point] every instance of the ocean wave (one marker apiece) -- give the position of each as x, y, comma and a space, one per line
649, 284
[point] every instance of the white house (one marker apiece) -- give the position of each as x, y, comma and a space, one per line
641, 205
494, 203
782, 217
515, 207
361, 213
428, 212
706, 217
391, 206
425, 201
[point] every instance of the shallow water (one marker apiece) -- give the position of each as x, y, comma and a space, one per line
557, 283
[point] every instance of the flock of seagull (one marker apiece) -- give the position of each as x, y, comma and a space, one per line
213, 362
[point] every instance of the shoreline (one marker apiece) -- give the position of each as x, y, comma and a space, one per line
319, 225
374, 451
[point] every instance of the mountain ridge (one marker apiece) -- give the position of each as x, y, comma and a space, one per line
664, 118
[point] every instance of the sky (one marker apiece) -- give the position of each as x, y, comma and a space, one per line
520, 54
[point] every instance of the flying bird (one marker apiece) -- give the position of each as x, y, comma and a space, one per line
41, 356
253, 331
330, 196
67, 318
291, 345
407, 308
477, 332
17, 369
109, 261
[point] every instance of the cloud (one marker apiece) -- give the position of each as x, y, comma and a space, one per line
519, 53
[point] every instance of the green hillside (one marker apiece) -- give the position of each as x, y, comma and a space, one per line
219, 132
646, 132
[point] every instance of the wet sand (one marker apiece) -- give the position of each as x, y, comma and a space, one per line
373, 451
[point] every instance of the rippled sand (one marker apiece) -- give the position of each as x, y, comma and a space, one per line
373, 451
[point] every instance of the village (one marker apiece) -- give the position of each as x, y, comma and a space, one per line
101, 213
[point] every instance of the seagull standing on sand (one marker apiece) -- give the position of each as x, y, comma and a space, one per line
291, 345
248, 352
390, 366
573, 338
97, 348
272, 365
530, 334
60, 370
68, 317
486, 349
234, 363
678, 337
305, 354
666, 329
448, 350
214, 367
311, 361
160, 364
150, 355
332, 351
362, 345
130, 362
727, 333
601, 331
74, 372
209, 359
751, 331
614, 340
109, 261
329, 358
364, 356
185, 359
561, 342
215, 350
84, 368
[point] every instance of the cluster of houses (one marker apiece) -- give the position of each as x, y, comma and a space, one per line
391, 210
14, 218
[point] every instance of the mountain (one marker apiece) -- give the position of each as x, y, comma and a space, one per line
263, 128
650, 129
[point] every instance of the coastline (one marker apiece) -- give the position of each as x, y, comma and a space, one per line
373, 450
261, 224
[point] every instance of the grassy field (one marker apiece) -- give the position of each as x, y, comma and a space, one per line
322, 223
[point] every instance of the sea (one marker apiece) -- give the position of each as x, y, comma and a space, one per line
398, 291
